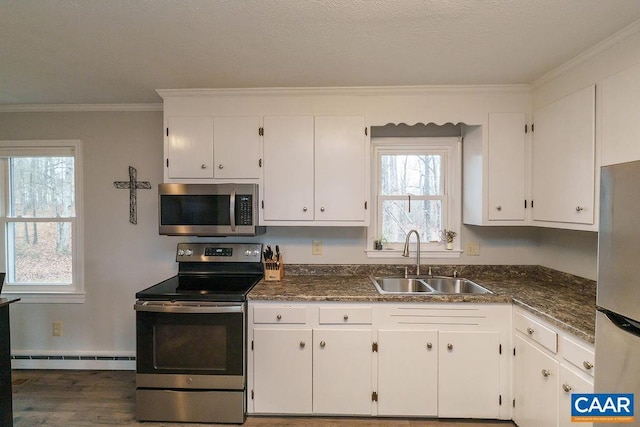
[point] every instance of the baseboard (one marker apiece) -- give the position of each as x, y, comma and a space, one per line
73, 362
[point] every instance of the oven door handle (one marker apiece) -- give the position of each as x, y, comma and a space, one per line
159, 307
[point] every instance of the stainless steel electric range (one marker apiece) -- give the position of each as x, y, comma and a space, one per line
191, 336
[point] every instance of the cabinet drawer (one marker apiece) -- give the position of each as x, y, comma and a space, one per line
283, 314
578, 355
345, 315
536, 331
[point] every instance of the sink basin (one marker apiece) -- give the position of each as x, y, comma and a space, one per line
427, 285
454, 285
400, 285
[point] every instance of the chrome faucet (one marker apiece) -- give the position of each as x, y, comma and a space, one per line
405, 252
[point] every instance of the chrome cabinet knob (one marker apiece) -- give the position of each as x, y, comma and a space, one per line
220, 167
450, 346
499, 208
322, 209
429, 346
346, 317
302, 344
546, 373
203, 166
587, 364
566, 387
530, 331
279, 316
304, 209
579, 208
322, 344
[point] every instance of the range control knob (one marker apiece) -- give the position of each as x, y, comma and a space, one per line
248, 252
188, 252
256, 253
180, 252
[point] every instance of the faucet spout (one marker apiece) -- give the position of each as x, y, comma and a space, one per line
405, 251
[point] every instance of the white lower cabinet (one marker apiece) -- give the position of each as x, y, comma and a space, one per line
384, 359
407, 373
535, 386
548, 367
469, 374
342, 371
282, 370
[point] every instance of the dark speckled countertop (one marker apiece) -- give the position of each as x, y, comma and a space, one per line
566, 301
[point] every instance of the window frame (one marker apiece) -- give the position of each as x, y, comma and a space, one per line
43, 293
451, 149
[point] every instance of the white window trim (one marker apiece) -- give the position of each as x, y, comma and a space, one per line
50, 293
453, 169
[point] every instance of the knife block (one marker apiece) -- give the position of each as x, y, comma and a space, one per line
273, 270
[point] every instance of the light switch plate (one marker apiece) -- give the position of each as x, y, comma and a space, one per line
316, 247
473, 248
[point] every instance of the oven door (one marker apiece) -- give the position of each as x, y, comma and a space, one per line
196, 345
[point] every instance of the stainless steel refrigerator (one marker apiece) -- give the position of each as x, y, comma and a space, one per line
617, 366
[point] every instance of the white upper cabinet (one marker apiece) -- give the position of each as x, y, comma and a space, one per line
315, 170
494, 171
189, 147
507, 167
207, 148
563, 162
288, 168
236, 147
620, 95
340, 156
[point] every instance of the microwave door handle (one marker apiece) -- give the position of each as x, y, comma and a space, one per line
232, 209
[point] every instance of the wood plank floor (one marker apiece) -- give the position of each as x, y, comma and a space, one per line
107, 398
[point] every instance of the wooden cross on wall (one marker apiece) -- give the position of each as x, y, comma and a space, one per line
132, 185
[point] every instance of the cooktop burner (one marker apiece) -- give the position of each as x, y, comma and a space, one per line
211, 272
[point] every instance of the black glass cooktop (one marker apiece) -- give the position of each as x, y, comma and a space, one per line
193, 287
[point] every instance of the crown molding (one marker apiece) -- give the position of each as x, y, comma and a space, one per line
61, 108
628, 32
343, 91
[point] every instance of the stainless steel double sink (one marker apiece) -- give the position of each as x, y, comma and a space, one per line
421, 285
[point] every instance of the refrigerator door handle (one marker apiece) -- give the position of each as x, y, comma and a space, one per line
623, 323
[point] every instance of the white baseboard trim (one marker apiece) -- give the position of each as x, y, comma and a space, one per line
73, 361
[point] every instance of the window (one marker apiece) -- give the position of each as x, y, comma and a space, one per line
417, 187
40, 215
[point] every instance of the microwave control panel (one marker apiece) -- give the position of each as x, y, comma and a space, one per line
244, 210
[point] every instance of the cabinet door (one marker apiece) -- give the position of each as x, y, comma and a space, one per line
236, 147
570, 382
469, 374
620, 112
535, 386
507, 167
563, 163
340, 156
288, 168
282, 370
408, 373
342, 377
190, 147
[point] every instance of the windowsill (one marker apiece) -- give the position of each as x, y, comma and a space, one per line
394, 253
47, 298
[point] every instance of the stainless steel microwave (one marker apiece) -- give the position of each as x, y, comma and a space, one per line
208, 210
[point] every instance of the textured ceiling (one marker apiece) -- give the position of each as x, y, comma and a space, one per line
120, 51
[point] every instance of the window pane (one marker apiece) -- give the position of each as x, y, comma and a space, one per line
425, 216
418, 174
42, 187
41, 252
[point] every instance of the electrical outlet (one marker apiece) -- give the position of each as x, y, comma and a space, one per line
316, 247
473, 248
56, 329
